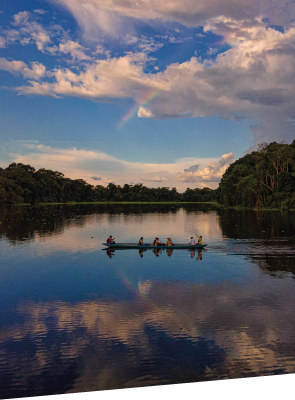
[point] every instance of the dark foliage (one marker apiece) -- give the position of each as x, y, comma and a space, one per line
264, 178
21, 183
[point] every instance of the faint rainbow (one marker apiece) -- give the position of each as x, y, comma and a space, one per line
132, 112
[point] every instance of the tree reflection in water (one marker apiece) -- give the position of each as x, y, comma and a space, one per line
74, 320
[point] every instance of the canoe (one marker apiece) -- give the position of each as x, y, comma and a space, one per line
136, 246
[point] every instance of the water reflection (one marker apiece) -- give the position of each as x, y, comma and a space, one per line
170, 333
157, 252
24, 223
110, 252
275, 265
75, 320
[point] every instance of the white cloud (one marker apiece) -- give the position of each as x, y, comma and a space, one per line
203, 185
76, 51
212, 173
212, 51
105, 79
30, 28
244, 80
87, 164
19, 67
158, 179
144, 113
253, 79
9, 36
40, 11
108, 15
2, 42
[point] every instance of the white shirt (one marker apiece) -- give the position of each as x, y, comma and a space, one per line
193, 242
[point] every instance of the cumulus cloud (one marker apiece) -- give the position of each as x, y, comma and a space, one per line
247, 81
144, 113
212, 173
253, 79
105, 79
108, 15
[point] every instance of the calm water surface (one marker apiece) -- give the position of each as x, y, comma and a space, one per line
75, 317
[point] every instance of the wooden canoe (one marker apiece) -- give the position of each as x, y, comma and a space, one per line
150, 246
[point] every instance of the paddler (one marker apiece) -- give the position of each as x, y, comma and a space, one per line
157, 242
169, 242
111, 240
200, 239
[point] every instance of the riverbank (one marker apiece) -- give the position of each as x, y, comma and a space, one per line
118, 202
213, 203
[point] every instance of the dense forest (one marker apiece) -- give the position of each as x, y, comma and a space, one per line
264, 178
21, 183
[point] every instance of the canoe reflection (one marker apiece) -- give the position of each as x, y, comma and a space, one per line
157, 252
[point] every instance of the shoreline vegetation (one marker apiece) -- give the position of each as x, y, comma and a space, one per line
261, 180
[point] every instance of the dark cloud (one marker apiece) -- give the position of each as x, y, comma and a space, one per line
266, 97
193, 168
96, 178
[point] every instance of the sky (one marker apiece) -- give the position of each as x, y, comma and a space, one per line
163, 93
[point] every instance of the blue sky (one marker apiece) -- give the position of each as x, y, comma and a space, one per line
162, 93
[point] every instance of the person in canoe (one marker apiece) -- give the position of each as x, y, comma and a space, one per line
169, 242
140, 243
111, 240
200, 239
156, 242
192, 242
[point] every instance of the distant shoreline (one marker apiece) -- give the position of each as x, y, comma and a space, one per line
117, 202
213, 203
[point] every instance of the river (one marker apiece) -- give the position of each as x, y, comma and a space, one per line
75, 317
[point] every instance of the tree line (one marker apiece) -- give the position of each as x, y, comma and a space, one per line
264, 178
20, 183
